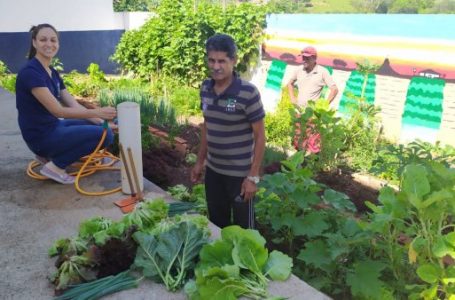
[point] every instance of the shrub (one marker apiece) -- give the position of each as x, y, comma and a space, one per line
278, 125
173, 43
7, 80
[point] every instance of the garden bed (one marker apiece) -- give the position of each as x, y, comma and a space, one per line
165, 164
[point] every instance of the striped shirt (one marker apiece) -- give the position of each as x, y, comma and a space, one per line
228, 118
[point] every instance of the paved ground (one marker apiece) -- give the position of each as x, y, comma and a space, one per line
35, 213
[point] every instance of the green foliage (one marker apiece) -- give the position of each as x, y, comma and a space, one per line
331, 6
443, 7
159, 113
371, 6
169, 256
391, 159
422, 211
362, 129
7, 80
237, 265
196, 196
410, 6
286, 6
278, 125
147, 214
173, 43
57, 64
135, 5
101, 287
319, 118
287, 200
80, 85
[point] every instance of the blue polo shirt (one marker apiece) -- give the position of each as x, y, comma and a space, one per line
35, 121
228, 117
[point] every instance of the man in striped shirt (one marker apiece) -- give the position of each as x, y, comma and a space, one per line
232, 139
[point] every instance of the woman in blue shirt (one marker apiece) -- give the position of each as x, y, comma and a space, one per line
53, 124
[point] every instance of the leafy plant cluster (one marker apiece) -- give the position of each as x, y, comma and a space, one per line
314, 224
184, 98
286, 6
318, 118
363, 135
152, 112
278, 125
167, 247
403, 249
7, 80
237, 265
414, 230
173, 43
78, 257
80, 85
135, 5
170, 255
196, 196
391, 159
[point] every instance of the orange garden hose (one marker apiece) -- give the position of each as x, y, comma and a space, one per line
88, 166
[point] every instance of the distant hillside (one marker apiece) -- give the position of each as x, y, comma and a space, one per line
331, 6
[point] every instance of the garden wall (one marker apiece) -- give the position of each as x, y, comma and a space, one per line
414, 84
89, 30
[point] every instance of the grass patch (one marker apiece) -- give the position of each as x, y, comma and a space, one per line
331, 6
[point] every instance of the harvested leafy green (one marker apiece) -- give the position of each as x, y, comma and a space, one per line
147, 214
100, 229
237, 265
101, 287
170, 256
179, 192
193, 201
74, 270
201, 223
68, 247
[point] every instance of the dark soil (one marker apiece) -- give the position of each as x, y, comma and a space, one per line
345, 183
165, 166
341, 181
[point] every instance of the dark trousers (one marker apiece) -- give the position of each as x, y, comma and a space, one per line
221, 192
71, 140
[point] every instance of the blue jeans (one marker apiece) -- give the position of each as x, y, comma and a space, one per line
71, 140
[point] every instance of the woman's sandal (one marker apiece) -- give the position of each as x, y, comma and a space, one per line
63, 178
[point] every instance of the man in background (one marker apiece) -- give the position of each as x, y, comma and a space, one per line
311, 79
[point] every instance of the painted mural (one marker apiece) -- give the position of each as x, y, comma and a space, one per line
417, 50
404, 45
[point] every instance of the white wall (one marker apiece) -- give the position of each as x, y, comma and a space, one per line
65, 15
134, 20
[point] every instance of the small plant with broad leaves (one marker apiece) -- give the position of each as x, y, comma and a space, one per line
415, 228
319, 119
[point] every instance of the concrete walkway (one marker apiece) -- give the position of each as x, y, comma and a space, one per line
35, 213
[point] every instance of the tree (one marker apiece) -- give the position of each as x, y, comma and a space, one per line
371, 6
443, 6
410, 6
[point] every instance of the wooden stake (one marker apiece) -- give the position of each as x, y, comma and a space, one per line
127, 170
139, 195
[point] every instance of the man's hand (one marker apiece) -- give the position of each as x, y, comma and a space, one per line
196, 172
248, 190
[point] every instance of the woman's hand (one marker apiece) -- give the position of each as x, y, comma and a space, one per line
106, 113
